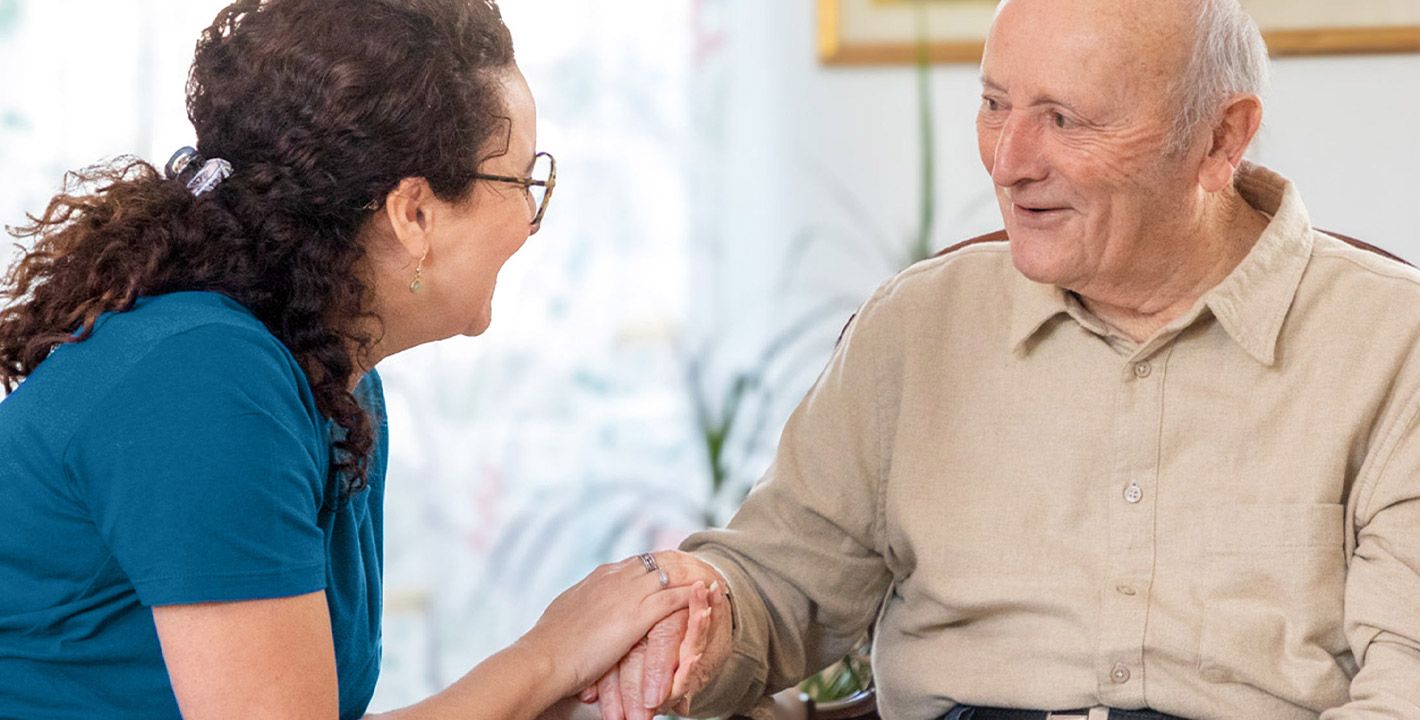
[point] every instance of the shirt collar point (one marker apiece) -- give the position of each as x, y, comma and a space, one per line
1034, 308
1020, 348
1264, 354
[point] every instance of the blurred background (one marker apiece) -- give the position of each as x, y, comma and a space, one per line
725, 201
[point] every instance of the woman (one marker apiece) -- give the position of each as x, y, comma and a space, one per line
193, 453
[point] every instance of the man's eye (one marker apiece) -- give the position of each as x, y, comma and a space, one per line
991, 104
1060, 120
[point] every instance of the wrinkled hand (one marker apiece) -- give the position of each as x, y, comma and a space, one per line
677, 658
602, 617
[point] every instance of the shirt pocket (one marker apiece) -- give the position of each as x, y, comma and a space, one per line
1273, 588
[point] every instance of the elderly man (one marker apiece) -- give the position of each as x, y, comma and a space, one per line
1157, 453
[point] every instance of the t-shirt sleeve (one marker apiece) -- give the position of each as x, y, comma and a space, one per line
203, 470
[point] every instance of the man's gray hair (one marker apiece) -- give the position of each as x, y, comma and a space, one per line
1229, 57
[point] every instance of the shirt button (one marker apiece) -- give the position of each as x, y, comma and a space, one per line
1133, 494
1124, 590
1119, 674
1142, 370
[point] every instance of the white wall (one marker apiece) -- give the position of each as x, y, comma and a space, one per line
1347, 131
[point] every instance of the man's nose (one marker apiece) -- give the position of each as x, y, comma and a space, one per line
1018, 155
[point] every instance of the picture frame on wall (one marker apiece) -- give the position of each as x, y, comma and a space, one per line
885, 32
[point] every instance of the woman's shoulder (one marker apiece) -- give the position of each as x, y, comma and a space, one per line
176, 374
200, 341
205, 336
163, 318
203, 326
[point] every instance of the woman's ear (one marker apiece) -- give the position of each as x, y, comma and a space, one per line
411, 211
1232, 135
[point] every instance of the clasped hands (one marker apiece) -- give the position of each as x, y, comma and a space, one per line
677, 658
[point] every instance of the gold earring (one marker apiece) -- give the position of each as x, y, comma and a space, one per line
418, 283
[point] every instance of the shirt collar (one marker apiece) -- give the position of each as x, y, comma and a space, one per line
1034, 305
1250, 303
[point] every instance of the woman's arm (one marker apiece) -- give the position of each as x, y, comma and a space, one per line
251, 659
582, 634
275, 658
517, 683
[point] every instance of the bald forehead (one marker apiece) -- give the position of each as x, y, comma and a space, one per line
1149, 35
1166, 15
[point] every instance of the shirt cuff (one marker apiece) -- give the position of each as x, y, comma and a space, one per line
738, 686
230, 587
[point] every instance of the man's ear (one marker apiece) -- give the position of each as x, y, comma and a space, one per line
1231, 137
410, 210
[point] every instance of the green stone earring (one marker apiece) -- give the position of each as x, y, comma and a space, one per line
418, 284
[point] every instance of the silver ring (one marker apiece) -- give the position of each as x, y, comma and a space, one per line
649, 561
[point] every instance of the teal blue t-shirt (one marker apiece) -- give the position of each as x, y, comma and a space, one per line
175, 456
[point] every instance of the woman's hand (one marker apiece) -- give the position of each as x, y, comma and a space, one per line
678, 657
591, 626
581, 635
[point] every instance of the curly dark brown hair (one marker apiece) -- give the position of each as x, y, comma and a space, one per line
321, 106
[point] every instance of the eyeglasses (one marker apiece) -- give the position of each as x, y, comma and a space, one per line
538, 185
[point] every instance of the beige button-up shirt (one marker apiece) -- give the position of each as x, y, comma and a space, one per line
1222, 522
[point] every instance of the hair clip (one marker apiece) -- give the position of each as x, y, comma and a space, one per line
209, 176
179, 162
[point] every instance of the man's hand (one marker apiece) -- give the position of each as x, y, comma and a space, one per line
677, 658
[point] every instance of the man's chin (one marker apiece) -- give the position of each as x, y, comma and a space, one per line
1040, 256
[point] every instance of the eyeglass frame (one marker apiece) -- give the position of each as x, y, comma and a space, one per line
528, 183
525, 182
